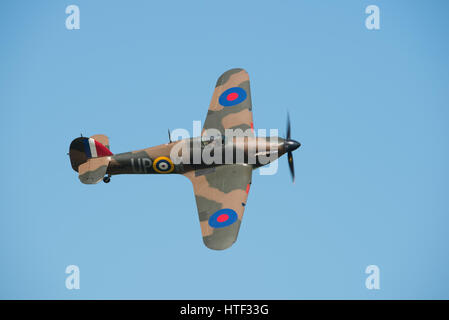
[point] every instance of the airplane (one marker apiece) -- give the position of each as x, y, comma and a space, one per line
220, 186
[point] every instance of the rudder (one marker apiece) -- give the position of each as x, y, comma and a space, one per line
83, 149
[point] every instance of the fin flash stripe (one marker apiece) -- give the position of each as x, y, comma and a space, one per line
95, 149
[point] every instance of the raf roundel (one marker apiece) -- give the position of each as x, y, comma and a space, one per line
223, 218
163, 165
232, 96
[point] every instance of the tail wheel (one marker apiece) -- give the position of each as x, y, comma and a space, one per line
107, 179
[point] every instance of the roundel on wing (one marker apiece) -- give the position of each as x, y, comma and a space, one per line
223, 218
232, 96
163, 165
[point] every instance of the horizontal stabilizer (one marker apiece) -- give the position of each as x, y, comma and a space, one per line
93, 170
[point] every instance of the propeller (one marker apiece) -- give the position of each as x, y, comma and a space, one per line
290, 146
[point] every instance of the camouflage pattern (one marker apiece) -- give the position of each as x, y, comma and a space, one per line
77, 153
239, 116
225, 187
93, 170
216, 186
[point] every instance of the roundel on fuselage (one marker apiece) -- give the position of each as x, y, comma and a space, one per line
163, 165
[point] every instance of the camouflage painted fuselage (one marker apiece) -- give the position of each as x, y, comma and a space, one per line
197, 155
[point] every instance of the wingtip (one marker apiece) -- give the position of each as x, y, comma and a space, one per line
225, 75
217, 245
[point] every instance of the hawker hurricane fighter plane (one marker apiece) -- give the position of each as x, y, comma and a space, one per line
219, 163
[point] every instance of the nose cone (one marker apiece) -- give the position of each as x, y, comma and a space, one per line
291, 145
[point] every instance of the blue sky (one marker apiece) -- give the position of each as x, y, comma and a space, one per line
369, 107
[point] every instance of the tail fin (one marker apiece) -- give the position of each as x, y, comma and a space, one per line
83, 149
102, 139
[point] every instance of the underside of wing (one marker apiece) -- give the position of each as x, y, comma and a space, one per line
221, 195
230, 107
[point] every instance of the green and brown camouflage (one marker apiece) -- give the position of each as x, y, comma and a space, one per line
239, 116
219, 165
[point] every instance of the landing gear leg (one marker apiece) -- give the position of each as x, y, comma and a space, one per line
107, 179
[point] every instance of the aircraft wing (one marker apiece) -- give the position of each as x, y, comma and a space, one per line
221, 195
230, 107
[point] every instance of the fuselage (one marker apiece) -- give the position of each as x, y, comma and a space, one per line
196, 153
